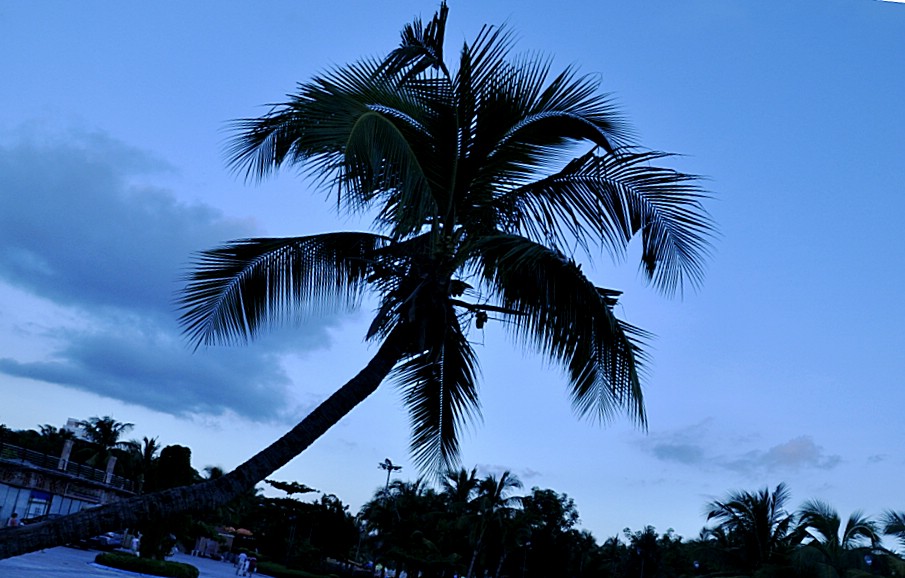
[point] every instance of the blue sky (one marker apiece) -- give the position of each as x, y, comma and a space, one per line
785, 366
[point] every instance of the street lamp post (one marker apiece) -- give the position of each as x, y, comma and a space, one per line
390, 467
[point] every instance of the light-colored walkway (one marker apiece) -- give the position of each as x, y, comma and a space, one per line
72, 563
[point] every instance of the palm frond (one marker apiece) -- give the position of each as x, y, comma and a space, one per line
440, 391
821, 520
235, 289
421, 47
612, 198
860, 529
570, 107
356, 131
563, 315
309, 125
894, 525
525, 125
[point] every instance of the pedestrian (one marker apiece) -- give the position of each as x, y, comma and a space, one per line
241, 564
14, 521
252, 565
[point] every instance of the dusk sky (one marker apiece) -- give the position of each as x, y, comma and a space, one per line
786, 366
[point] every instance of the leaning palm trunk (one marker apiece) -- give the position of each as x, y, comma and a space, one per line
212, 493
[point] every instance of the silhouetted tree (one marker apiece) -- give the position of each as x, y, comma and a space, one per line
756, 527
838, 548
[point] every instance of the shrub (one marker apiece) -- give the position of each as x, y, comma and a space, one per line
146, 565
280, 571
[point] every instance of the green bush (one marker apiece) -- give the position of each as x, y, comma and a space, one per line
146, 565
280, 571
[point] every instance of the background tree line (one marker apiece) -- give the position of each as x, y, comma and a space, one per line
489, 526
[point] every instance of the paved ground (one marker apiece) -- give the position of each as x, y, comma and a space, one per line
72, 562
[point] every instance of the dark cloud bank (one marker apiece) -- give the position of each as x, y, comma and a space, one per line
81, 227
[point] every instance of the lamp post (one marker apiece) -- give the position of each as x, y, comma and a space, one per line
390, 468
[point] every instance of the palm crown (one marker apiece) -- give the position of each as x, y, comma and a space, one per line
467, 171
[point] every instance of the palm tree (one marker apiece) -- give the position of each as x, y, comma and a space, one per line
511, 531
405, 524
53, 439
459, 487
106, 433
139, 461
839, 547
477, 214
494, 504
894, 525
756, 525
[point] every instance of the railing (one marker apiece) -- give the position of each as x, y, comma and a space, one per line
15, 454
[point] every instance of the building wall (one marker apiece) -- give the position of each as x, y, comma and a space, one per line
32, 491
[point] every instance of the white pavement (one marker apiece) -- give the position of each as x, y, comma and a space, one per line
71, 563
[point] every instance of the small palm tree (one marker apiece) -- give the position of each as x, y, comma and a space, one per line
894, 525
105, 433
403, 523
141, 460
479, 212
840, 548
755, 525
459, 487
53, 439
494, 505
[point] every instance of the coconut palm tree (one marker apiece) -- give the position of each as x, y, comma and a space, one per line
839, 547
140, 461
755, 525
105, 433
478, 211
405, 523
459, 487
475, 215
53, 439
494, 504
894, 525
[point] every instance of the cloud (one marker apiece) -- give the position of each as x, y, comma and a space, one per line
79, 226
698, 446
794, 455
85, 229
497, 470
689, 454
685, 446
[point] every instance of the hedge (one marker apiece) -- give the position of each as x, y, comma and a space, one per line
146, 565
280, 571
